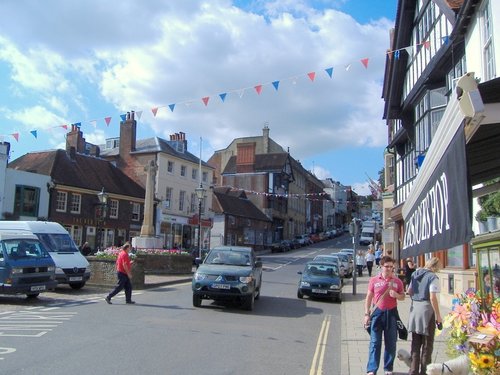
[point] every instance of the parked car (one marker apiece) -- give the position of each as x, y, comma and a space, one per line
347, 262
333, 260
295, 243
280, 246
315, 237
303, 239
321, 280
228, 273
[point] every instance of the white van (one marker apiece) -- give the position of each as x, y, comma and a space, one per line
367, 236
71, 266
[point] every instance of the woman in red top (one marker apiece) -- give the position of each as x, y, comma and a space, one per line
124, 273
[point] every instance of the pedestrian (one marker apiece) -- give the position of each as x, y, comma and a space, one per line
124, 273
369, 258
424, 315
409, 268
378, 253
85, 249
360, 263
384, 291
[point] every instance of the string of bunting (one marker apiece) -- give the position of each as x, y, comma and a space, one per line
239, 92
307, 196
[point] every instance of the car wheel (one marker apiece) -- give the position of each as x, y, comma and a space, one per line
77, 286
299, 294
32, 295
196, 300
249, 302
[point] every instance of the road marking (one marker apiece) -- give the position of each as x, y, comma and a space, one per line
319, 354
6, 351
31, 323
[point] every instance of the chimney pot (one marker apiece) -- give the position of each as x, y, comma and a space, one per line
132, 115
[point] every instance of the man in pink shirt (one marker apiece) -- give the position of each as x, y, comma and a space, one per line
384, 290
124, 273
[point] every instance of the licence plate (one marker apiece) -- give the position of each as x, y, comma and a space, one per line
320, 291
37, 288
221, 286
76, 278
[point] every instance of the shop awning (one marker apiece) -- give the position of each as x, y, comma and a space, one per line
437, 213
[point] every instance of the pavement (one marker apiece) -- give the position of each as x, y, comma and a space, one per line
354, 338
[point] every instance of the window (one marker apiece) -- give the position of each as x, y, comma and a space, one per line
136, 211
170, 167
487, 43
113, 208
182, 196
75, 204
61, 201
26, 201
428, 114
205, 176
194, 201
168, 198
112, 142
75, 232
183, 170
194, 174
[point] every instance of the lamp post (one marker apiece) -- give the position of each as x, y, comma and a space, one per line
200, 193
101, 214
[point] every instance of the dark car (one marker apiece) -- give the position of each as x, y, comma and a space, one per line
280, 246
320, 280
228, 273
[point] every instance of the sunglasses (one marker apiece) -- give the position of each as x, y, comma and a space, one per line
388, 266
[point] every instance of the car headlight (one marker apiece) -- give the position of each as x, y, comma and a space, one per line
334, 286
246, 279
304, 283
199, 276
51, 269
17, 271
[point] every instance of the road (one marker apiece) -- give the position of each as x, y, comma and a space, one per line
77, 332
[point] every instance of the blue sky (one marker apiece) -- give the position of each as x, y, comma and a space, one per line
311, 70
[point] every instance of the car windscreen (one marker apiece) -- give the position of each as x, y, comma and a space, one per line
24, 249
322, 270
59, 243
228, 257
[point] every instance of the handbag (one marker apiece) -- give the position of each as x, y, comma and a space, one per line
402, 331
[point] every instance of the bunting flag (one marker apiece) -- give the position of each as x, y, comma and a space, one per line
258, 88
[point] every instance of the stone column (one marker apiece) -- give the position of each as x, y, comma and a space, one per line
147, 228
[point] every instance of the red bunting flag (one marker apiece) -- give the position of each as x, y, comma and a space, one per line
205, 100
108, 120
258, 88
16, 136
427, 44
311, 76
64, 127
365, 62
154, 110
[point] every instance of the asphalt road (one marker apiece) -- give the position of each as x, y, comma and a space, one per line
77, 332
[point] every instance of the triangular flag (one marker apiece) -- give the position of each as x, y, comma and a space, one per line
205, 100
258, 88
446, 39
311, 76
396, 55
16, 136
427, 44
241, 93
108, 120
64, 126
139, 114
123, 117
389, 54
408, 50
154, 110
34, 133
347, 67
93, 123
276, 85
365, 62
222, 96
329, 71
77, 124
171, 106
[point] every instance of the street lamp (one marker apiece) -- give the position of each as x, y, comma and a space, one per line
100, 215
200, 193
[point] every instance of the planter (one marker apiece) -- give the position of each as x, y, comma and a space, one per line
167, 264
483, 227
103, 272
492, 223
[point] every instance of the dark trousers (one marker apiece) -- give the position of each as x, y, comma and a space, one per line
369, 265
421, 350
123, 283
360, 269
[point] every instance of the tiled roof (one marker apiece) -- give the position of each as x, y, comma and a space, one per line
86, 172
263, 163
235, 202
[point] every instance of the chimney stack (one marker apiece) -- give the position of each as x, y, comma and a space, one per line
74, 138
128, 134
265, 138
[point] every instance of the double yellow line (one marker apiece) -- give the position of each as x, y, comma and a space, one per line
319, 354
